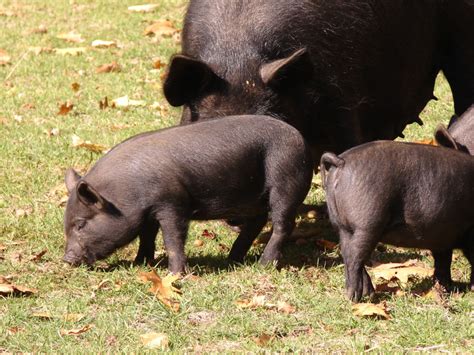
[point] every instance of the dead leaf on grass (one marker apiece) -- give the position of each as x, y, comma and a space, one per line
71, 36
38, 256
202, 317
41, 29
428, 141
126, 102
4, 57
65, 108
78, 142
198, 243
155, 340
112, 67
143, 8
158, 64
9, 289
263, 339
259, 301
99, 43
326, 244
75, 87
208, 234
387, 287
39, 50
401, 271
285, 307
371, 310
103, 104
15, 330
161, 28
70, 51
163, 288
76, 331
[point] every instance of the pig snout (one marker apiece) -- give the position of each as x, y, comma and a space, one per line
75, 256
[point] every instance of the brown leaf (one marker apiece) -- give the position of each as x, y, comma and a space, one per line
28, 106
39, 50
41, 29
163, 289
428, 141
70, 51
38, 256
8, 289
386, 287
371, 310
75, 87
15, 330
263, 339
198, 243
103, 104
223, 247
155, 340
143, 8
161, 28
71, 36
76, 331
255, 302
401, 271
158, 64
65, 108
112, 67
99, 43
73, 317
208, 234
4, 57
311, 214
285, 307
77, 142
326, 244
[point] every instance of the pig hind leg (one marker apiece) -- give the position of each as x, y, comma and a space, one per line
249, 230
442, 263
468, 250
175, 229
356, 249
146, 248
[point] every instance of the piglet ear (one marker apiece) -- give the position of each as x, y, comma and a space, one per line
71, 179
90, 197
286, 72
445, 139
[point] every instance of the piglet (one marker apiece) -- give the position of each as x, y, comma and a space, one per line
241, 167
404, 194
460, 132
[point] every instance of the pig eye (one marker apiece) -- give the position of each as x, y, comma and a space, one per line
80, 224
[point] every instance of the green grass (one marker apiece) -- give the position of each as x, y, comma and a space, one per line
32, 166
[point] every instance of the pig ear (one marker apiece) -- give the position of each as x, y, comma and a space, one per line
186, 80
90, 197
445, 139
71, 179
453, 120
287, 71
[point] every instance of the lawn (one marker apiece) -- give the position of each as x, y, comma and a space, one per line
54, 114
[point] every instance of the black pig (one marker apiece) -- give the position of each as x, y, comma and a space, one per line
220, 169
343, 72
460, 132
404, 194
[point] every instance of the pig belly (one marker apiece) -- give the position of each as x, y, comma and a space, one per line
408, 237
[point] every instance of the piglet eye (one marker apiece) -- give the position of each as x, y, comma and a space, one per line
80, 224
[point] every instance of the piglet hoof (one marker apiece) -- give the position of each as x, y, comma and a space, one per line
367, 288
266, 260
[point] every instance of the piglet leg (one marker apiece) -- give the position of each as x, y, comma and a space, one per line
442, 264
146, 248
249, 231
175, 229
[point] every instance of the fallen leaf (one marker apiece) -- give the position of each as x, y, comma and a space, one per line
198, 243
311, 214
70, 51
73, 317
223, 247
285, 307
39, 50
255, 302
428, 141
42, 315
263, 339
99, 43
125, 102
103, 104
41, 29
38, 256
71, 36
326, 244
4, 57
28, 106
109, 68
78, 142
75, 87
2, 248
8, 289
163, 289
15, 330
203, 317
65, 108
143, 8
18, 118
155, 340
208, 234
20, 212
401, 271
386, 287
158, 64
371, 310
76, 331
161, 28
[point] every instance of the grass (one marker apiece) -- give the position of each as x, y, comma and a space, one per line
32, 166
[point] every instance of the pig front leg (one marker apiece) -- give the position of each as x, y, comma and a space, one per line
250, 229
468, 251
146, 248
442, 264
175, 229
356, 249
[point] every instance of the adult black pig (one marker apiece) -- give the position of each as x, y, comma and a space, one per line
220, 169
342, 72
460, 132
404, 194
